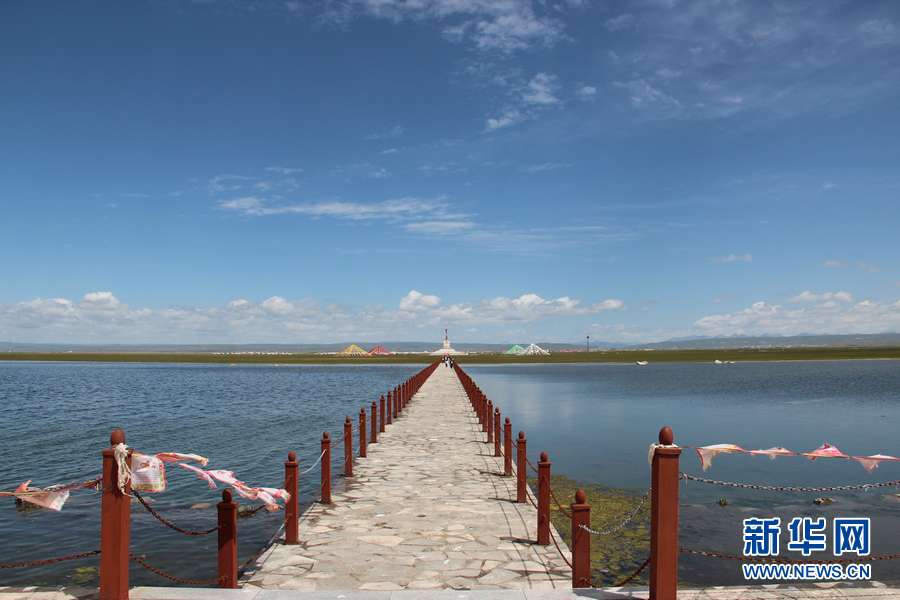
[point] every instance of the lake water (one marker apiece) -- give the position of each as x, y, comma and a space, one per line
596, 422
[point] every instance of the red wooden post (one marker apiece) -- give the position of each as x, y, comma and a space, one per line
228, 564
396, 403
664, 519
507, 447
581, 541
348, 447
115, 525
496, 432
374, 431
362, 433
291, 507
521, 470
490, 422
381, 418
390, 409
543, 521
326, 468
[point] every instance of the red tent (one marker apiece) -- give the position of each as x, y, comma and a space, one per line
379, 351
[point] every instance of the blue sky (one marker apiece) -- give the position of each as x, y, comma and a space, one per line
226, 171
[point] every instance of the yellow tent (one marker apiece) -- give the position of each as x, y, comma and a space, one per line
354, 350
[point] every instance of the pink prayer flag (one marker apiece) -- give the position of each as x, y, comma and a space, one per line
774, 452
201, 474
177, 457
826, 450
870, 463
708, 453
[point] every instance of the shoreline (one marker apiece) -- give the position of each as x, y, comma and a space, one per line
609, 357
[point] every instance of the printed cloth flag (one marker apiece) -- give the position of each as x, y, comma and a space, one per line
870, 463
54, 499
708, 453
774, 452
268, 496
826, 450
148, 472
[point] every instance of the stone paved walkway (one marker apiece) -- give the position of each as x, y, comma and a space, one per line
428, 509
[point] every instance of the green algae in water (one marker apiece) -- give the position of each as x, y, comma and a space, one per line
83, 575
613, 557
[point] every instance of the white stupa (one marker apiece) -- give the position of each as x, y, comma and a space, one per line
446, 349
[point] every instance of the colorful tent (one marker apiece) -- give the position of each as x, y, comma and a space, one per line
379, 351
534, 349
515, 349
354, 350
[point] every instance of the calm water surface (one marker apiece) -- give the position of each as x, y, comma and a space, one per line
596, 422
56, 419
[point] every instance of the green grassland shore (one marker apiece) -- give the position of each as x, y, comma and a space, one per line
600, 356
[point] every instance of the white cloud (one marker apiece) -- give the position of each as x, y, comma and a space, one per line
586, 91
505, 119
833, 263
100, 301
541, 90
102, 318
439, 227
489, 25
827, 186
609, 304
808, 296
733, 258
762, 318
276, 305
415, 301
395, 209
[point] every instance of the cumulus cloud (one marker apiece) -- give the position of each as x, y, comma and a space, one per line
508, 117
808, 296
100, 317
829, 317
416, 300
541, 90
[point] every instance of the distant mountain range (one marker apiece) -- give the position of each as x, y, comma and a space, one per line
862, 340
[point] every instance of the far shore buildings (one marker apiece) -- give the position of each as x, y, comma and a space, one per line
446, 349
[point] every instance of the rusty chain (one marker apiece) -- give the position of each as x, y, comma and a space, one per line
533, 468
47, 561
559, 505
169, 523
621, 525
141, 560
250, 513
635, 574
561, 553
792, 489
780, 559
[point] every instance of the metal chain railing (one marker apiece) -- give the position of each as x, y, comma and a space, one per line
558, 504
558, 549
314, 465
624, 523
639, 570
141, 560
250, 513
48, 561
781, 559
533, 468
169, 523
791, 489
